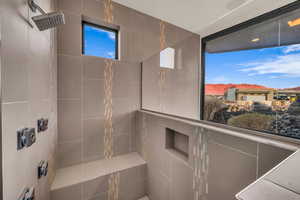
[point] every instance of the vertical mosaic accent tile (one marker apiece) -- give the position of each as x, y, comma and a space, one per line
108, 103
108, 11
51, 168
200, 165
162, 84
162, 38
162, 72
144, 135
113, 186
114, 179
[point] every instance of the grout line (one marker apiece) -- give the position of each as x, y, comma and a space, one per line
257, 160
68, 55
98, 117
15, 102
68, 12
94, 79
70, 141
68, 99
233, 149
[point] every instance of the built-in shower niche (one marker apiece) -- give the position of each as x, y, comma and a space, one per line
177, 143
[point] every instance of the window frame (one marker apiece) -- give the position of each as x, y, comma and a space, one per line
103, 27
259, 19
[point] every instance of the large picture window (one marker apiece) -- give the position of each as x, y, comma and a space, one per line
252, 74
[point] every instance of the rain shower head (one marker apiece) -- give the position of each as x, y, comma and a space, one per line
49, 20
46, 20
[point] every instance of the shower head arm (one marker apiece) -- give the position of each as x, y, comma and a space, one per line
33, 6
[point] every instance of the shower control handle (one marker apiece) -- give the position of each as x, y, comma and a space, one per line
42, 125
42, 169
27, 194
26, 137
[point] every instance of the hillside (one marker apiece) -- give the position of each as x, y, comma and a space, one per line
295, 88
220, 89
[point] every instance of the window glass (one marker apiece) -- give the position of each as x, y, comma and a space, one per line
252, 77
100, 41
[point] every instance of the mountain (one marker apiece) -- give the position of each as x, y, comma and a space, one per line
295, 88
220, 89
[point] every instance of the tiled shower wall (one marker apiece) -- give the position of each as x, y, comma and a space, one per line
218, 165
81, 79
176, 91
29, 68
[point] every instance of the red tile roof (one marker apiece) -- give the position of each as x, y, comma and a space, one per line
220, 89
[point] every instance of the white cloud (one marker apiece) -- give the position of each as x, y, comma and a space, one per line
292, 48
275, 77
111, 54
286, 65
111, 35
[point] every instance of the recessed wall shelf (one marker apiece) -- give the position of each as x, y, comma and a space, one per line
178, 143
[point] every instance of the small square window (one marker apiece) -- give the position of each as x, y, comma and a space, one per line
99, 41
167, 58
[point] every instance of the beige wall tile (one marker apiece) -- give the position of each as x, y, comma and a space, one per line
14, 34
161, 163
121, 144
95, 187
74, 193
14, 177
29, 93
126, 72
94, 9
70, 153
269, 157
69, 36
93, 97
158, 185
69, 120
93, 67
71, 6
39, 55
133, 183
102, 196
229, 172
182, 180
123, 120
69, 77
93, 139
239, 144
151, 31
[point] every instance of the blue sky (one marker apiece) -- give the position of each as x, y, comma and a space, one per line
277, 67
99, 42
